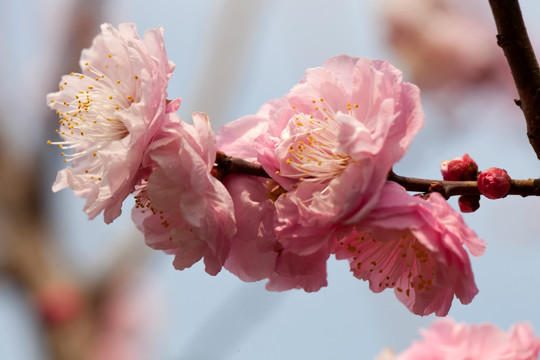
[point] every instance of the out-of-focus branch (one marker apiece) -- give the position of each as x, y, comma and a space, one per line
513, 39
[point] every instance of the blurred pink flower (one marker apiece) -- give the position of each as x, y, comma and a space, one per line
109, 114
330, 144
446, 340
416, 247
445, 43
182, 208
122, 331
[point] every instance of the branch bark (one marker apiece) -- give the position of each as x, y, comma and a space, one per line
513, 39
226, 165
529, 187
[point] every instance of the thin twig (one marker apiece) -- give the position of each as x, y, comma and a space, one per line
226, 165
529, 187
232, 165
513, 39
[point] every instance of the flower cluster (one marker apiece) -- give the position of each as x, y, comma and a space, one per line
327, 147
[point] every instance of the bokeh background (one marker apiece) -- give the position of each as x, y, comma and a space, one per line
77, 289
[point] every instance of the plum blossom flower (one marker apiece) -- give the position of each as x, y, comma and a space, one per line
256, 253
109, 113
330, 143
182, 208
414, 246
447, 340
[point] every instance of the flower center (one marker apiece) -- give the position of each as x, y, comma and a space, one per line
405, 265
88, 106
310, 151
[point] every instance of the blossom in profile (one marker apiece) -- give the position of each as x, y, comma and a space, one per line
416, 247
330, 143
181, 208
109, 113
447, 340
256, 253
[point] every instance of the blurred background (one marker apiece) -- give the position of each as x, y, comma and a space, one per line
77, 289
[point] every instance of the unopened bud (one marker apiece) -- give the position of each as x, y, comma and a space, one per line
469, 203
494, 183
459, 169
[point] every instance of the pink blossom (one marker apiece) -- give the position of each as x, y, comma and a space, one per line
109, 113
182, 208
447, 340
330, 143
414, 246
256, 253
494, 183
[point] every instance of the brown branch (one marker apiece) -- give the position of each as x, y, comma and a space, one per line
529, 187
226, 165
232, 165
513, 39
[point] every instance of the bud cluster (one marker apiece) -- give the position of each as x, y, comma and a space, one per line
493, 183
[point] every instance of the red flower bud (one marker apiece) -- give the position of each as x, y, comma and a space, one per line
460, 168
469, 203
494, 183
